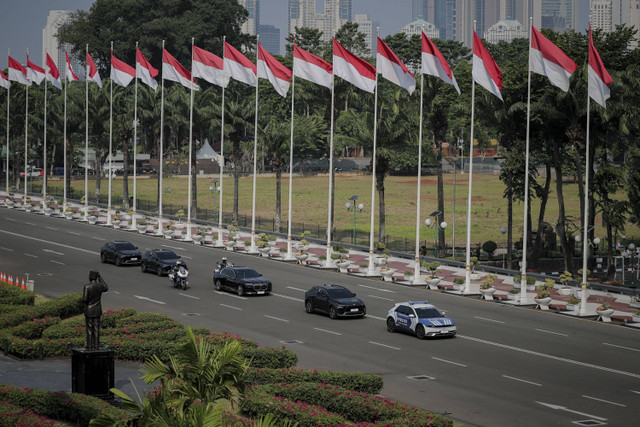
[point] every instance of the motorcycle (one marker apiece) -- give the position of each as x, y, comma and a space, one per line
180, 278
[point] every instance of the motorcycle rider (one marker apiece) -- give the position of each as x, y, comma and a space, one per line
179, 273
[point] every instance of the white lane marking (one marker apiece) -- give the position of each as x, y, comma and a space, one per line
375, 317
327, 331
149, 299
564, 408
74, 233
620, 346
384, 345
97, 238
288, 297
489, 320
51, 228
549, 356
227, 294
30, 255
633, 391
187, 257
10, 219
604, 401
188, 296
276, 318
57, 262
521, 380
378, 289
551, 332
449, 361
52, 252
175, 247
30, 223
50, 242
296, 289
232, 307
7, 249
377, 297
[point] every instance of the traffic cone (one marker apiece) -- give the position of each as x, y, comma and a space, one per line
24, 285
10, 280
2, 277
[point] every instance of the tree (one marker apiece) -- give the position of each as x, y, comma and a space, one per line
309, 39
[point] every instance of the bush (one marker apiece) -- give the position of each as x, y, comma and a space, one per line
33, 329
12, 295
489, 247
67, 306
275, 358
368, 383
11, 415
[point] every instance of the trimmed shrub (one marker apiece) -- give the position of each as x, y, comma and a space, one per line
67, 306
12, 295
270, 357
11, 415
368, 383
33, 329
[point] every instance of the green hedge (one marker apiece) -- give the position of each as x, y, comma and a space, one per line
11, 295
367, 383
274, 358
67, 306
12, 415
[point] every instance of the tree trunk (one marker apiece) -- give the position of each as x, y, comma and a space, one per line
381, 206
68, 169
537, 249
278, 219
510, 221
125, 176
567, 247
579, 178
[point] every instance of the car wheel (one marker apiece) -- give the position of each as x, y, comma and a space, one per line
333, 313
240, 290
218, 285
391, 324
143, 267
103, 257
308, 307
159, 271
118, 262
420, 332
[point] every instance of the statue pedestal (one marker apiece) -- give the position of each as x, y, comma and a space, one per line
92, 372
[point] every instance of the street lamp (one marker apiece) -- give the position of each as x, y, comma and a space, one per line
433, 224
503, 230
214, 190
349, 206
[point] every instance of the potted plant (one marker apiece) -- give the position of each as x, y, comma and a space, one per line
303, 247
408, 275
564, 279
263, 244
232, 237
605, 311
459, 282
486, 286
343, 263
512, 293
434, 280
382, 254
572, 303
543, 298
387, 273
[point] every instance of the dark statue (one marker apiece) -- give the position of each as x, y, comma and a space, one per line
91, 297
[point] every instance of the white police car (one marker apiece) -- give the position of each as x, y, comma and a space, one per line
419, 318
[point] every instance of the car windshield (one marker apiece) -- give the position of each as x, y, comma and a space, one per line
126, 246
340, 293
428, 312
167, 255
247, 274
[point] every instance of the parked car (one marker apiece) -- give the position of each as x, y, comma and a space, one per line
241, 280
120, 253
420, 319
33, 172
160, 261
334, 300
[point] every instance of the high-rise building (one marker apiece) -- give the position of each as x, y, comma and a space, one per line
419, 9
50, 44
606, 14
505, 30
335, 13
270, 38
252, 24
369, 28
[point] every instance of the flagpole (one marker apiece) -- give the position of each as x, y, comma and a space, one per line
416, 268
86, 135
331, 183
161, 153
371, 268
585, 224
44, 145
64, 144
135, 149
255, 161
7, 159
110, 143
188, 237
293, 92
26, 135
525, 234
221, 158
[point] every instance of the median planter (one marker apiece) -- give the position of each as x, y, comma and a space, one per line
387, 274
487, 293
604, 314
543, 303
433, 283
343, 266
302, 258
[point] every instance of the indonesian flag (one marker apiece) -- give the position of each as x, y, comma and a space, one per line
392, 69
434, 64
4, 81
269, 68
34, 73
599, 78
92, 71
549, 60
17, 72
53, 75
71, 76
355, 70
485, 70
145, 72
121, 72
209, 67
174, 71
238, 67
311, 67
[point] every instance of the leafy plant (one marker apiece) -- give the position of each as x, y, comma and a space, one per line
433, 268
604, 306
458, 281
408, 273
573, 301
487, 282
489, 247
565, 278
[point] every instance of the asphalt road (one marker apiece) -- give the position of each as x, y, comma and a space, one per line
507, 366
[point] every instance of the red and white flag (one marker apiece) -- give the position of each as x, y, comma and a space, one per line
549, 60
17, 72
34, 73
174, 71
121, 72
92, 71
4, 81
599, 78
311, 67
209, 67
269, 68
392, 69
71, 76
238, 67
434, 64
485, 70
355, 70
53, 75
145, 72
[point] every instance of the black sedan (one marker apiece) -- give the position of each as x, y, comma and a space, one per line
241, 280
160, 261
334, 300
120, 253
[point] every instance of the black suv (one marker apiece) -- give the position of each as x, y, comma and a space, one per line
160, 261
120, 253
241, 280
335, 300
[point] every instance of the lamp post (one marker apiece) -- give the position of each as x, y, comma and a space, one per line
503, 230
433, 224
352, 205
214, 190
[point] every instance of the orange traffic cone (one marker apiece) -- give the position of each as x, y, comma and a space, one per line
10, 280
24, 285
2, 279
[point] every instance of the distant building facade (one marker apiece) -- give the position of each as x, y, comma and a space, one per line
270, 38
55, 20
417, 26
505, 30
252, 24
335, 13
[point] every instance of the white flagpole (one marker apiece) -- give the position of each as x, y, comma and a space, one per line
110, 144
188, 237
44, 146
293, 92
26, 135
255, 161
64, 144
221, 162
135, 148
416, 268
331, 183
525, 235
7, 159
86, 135
585, 224
371, 268
161, 146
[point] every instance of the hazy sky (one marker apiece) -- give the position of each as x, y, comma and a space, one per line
22, 21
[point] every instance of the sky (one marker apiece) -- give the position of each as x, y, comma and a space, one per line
22, 21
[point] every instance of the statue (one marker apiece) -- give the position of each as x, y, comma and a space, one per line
93, 308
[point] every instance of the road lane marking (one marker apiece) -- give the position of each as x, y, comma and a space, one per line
620, 346
231, 306
521, 380
384, 345
604, 401
276, 318
97, 238
551, 332
375, 317
327, 331
383, 298
52, 228
30, 223
57, 262
188, 296
10, 219
377, 289
227, 294
296, 289
549, 356
74, 233
7, 249
449, 361
633, 391
175, 247
30, 255
50, 242
186, 257
52, 252
489, 320
149, 299
288, 297
564, 408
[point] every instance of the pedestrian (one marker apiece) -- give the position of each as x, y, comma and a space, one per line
478, 246
423, 251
